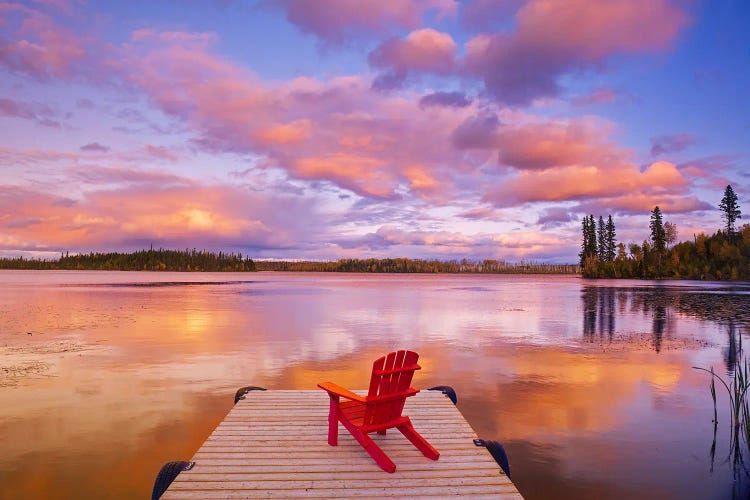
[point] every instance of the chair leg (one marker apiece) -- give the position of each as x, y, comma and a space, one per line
333, 421
417, 440
375, 452
370, 447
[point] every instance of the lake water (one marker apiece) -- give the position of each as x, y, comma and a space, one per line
105, 376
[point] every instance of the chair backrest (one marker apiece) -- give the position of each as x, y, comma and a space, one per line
391, 375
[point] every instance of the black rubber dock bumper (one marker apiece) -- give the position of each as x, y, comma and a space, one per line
447, 390
498, 453
240, 394
167, 474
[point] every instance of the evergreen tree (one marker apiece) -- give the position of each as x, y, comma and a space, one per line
610, 240
585, 239
731, 210
601, 240
592, 251
588, 246
658, 240
658, 235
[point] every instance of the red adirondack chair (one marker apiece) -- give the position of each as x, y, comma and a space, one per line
390, 385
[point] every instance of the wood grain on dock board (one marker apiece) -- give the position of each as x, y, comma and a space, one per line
273, 444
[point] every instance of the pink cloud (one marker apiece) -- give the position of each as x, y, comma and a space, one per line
211, 216
451, 243
161, 153
361, 174
553, 37
336, 130
535, 144
642, 203
562, 143
285, 133
660, 179
422, 51
341, 20
12, 156
39, 46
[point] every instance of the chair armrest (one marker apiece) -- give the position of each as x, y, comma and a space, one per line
390, 397
334, 389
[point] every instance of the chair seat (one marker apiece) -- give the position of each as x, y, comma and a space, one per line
354, 411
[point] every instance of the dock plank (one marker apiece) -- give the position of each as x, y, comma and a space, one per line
273, 444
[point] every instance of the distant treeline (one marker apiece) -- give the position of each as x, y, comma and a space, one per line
404, 265
142, 260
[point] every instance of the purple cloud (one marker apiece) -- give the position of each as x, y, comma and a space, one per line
94, 147
667, 144
557, 216
39, 113
445, 99
339, 21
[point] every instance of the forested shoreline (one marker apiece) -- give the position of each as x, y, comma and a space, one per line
197, 261
725, 255
141, 260
404, 265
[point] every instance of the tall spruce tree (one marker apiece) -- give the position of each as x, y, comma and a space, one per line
588, 245
592, 251
601, 240
584, 239
658, 235
611, 242
730, 209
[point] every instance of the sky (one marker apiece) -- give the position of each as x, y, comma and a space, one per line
326, 129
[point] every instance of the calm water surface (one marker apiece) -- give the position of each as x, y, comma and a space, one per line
105, 376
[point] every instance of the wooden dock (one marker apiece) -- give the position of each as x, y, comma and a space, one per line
273, 444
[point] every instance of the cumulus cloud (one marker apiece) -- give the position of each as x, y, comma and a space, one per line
336, 135
338, 21
422, 51
535, 144
553, 37
526, 63
334, 130
209, 216
586, 182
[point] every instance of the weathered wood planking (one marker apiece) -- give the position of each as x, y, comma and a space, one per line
273, 444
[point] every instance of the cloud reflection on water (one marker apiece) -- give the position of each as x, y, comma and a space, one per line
589, 387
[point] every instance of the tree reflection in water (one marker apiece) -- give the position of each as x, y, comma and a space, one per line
727, 305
